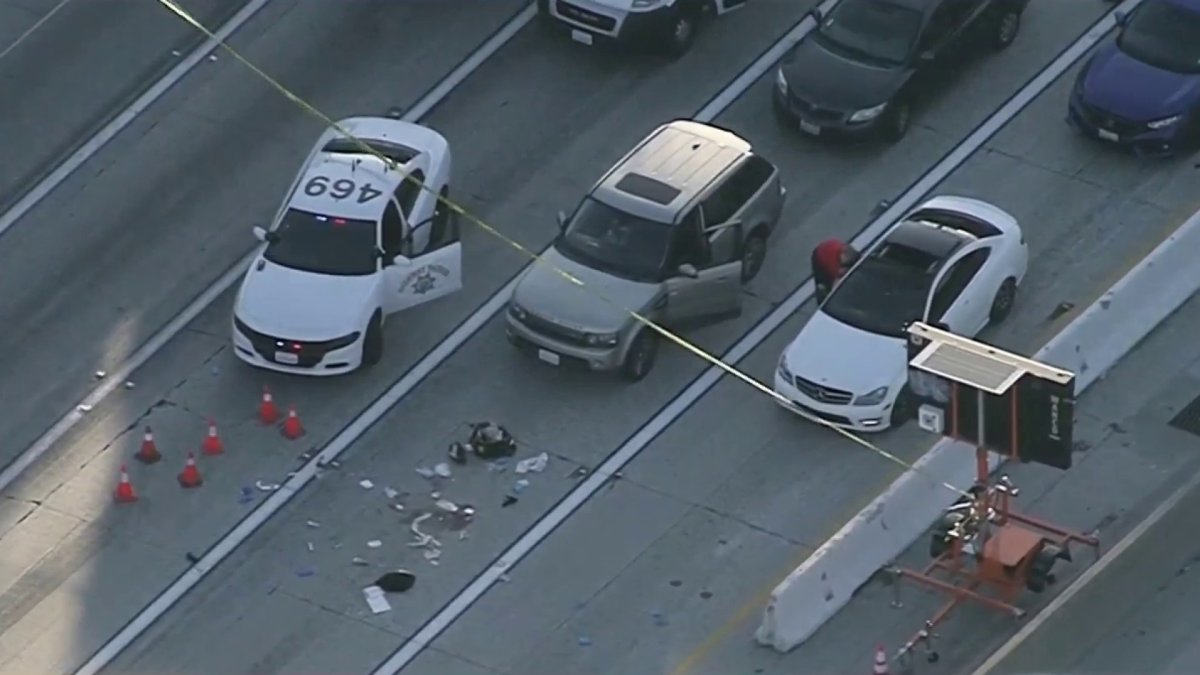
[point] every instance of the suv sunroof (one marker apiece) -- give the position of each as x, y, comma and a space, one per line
647, 188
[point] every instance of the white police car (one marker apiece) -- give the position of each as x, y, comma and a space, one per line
352, 243
670, 24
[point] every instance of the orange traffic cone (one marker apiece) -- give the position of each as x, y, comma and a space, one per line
212, 442
292, 429
125, 493
881, 662
268, 413
190, 476
149, 452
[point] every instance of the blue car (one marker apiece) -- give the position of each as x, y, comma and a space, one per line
1142, 90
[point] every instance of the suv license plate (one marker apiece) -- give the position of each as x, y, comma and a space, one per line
549, 357
287, 357
810, 128
1108, 135
582, 37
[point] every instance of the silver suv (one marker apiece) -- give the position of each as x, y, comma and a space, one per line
671, 232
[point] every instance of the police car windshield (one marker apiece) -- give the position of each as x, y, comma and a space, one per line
612, 241
1164, 34
882, 294
324, 244
873, 30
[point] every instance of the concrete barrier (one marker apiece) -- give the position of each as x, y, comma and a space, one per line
1091, 344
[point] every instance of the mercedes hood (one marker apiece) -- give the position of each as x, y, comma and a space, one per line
289, 303
1126, 87
543, 291
837, 355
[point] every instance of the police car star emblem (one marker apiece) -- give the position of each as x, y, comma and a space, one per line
423, 283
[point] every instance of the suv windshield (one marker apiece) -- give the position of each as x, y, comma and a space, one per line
874, 30
881, 295
612, 241
1165, 35
324, 244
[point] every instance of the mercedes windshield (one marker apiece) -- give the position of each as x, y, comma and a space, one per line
886, 291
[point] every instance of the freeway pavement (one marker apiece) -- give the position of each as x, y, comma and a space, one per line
1138, 615
67, 66
551, 125
1130, 460
277, 605
155, 217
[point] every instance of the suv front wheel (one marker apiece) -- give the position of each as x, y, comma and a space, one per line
639, 360
1008, 24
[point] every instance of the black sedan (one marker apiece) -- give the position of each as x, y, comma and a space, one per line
858, 72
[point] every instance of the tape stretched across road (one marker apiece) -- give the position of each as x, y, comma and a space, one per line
1090, 345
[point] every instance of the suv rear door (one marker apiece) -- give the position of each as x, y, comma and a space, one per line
715, 290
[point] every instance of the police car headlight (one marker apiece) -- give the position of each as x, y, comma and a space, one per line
868, 114
517, 311
781, 81
873, 397
601, 339
647, 4
1164, 122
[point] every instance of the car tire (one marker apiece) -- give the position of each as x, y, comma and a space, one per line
681, 32
899, 118
1008, 25
640, 358
902, 408
754, 254
372, 351
1003, 301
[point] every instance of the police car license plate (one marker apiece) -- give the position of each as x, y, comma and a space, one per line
582, 37
287, 357
810, 128
549, 357
1108, 135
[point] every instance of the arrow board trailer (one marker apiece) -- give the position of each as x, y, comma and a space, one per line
356, 240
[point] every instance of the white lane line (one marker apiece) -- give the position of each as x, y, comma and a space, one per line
125, 118
32, 29
439, 354
143, 354
1088, 576
768, 325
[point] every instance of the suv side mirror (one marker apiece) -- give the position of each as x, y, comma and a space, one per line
688, 270
562, 220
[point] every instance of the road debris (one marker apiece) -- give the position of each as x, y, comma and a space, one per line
390, 493
374, 596
447, 505
584, 641
84, 408
310, 547
359, 562
533, 464
374, 543
246, 495
491, 441
266, 487
432, 554
304, 572
421, 539
312, 523
458, 452
659, 619
520, 486
100, 374
366, 484
581, 472
425, 472
509, 500
498, 466
398, 581
129, 384
442, 470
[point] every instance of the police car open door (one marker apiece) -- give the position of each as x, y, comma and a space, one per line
725, 6
417, 278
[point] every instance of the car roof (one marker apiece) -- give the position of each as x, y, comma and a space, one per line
669, 169
938, 242
361, 170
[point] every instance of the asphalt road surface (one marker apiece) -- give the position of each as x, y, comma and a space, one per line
718, 507
1138, 615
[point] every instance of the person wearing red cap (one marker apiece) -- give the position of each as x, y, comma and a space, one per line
830, 260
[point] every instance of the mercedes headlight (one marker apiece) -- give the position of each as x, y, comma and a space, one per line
601, 339
873, 397
780, 81
868, 114
1164, 122
782, 368
517, 311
